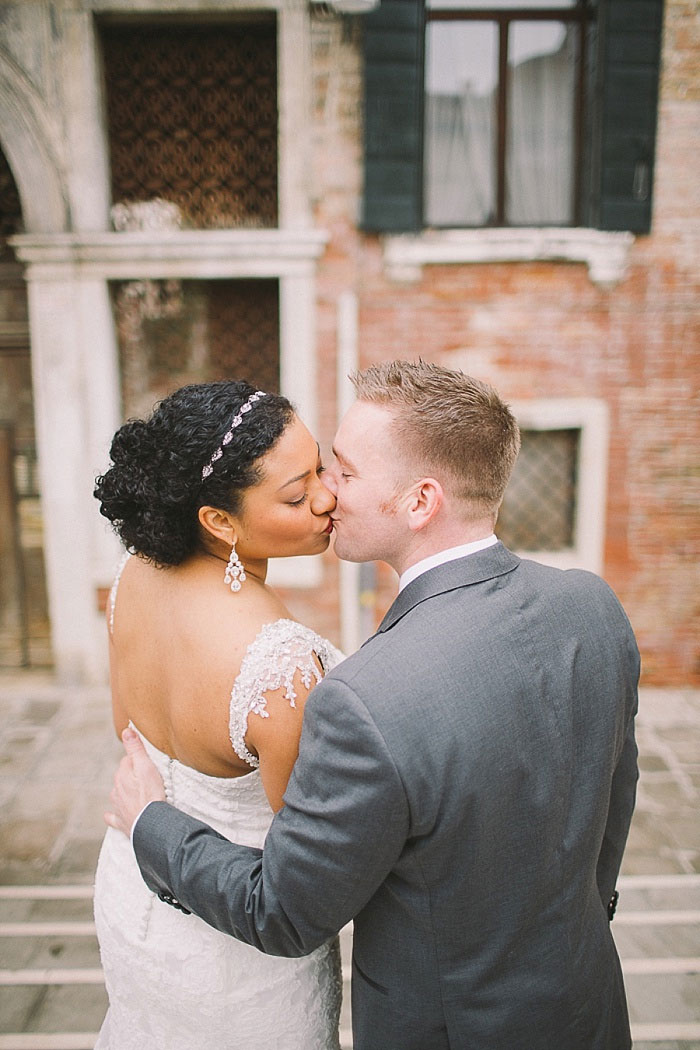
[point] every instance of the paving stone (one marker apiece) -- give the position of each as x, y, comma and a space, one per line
667, 1046
652, 763
663, 998
49, 953
18, 1005
28, 840
657, 942
70, 1008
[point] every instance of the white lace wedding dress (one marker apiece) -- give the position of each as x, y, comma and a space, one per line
174, 983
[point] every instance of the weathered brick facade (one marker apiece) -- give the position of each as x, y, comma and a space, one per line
546, 330
538, 330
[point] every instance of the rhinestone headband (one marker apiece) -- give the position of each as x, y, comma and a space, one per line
228, 436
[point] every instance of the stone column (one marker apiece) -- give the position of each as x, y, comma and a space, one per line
76, 407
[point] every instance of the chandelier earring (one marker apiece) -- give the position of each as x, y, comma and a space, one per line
235, 573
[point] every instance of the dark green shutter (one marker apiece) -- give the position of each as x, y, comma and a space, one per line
393, 48
630, 40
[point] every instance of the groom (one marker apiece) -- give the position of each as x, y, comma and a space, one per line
465, 781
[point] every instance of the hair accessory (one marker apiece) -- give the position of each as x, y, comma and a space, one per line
235, 573
228, 436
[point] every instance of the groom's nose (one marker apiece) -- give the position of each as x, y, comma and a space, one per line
329, 478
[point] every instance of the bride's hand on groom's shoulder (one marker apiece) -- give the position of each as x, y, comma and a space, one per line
136, 783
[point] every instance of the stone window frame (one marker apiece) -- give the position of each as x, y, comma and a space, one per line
590, 416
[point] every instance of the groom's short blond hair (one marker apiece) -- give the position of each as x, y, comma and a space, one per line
449, 425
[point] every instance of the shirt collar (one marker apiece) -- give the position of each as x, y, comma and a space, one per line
451, 554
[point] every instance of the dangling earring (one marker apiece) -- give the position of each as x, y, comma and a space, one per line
235, 573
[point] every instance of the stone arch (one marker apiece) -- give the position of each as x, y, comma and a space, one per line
27, 143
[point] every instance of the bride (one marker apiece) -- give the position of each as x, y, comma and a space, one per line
210, 669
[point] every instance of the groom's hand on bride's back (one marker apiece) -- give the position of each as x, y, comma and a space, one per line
136, 783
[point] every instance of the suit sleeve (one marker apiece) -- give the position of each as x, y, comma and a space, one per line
343, 825
624, 786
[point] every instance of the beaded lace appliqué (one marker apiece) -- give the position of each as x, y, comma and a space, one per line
279, 651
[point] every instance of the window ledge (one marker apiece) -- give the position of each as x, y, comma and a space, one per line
606, 254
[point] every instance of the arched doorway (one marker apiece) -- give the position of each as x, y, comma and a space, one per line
24, 619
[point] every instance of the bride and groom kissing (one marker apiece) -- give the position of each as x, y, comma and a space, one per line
461, 787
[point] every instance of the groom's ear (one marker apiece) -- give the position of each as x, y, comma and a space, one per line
424, 501
219, 524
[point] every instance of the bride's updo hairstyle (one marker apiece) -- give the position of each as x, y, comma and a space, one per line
154, 488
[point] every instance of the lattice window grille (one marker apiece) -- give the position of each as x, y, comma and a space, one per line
174, 332
192, 119
539, 509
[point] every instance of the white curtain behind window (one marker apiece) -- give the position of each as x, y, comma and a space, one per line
540, 131
460, 136
459, 160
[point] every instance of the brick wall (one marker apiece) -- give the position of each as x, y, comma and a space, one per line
545, 330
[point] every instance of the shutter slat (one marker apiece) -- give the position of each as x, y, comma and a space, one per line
630, 56
393, 51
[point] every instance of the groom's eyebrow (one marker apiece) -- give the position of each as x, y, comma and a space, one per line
343, 459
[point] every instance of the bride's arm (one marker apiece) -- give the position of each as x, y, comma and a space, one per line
274, 737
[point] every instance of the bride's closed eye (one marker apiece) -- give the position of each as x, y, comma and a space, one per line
302, 500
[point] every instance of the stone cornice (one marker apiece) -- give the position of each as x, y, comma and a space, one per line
157, 254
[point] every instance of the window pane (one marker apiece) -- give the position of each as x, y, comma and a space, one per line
538, 510
540, 146
461, 72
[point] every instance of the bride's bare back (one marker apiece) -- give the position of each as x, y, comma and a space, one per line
177, 641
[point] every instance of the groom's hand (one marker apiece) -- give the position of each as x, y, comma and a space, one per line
136, 783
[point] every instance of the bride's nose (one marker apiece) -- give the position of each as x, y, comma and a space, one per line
322, 499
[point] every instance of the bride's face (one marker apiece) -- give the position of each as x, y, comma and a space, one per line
288, 512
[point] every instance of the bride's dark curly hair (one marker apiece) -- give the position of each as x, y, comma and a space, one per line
154, 488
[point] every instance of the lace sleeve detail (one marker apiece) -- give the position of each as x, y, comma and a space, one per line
279, 651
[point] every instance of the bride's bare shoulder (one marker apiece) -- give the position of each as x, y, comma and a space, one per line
249, 613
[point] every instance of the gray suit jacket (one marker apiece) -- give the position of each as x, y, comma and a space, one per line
463, 791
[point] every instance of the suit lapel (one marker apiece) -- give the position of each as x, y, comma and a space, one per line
461, 572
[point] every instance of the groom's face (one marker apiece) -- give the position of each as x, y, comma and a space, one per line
367, 480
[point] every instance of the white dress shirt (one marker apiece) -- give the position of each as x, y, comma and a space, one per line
451, 554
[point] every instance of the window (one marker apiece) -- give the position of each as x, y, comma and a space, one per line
504, 99
192, 118
522, 113
554, 506
174, 332
539, 506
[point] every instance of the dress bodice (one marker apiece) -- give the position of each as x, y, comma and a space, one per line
236, 807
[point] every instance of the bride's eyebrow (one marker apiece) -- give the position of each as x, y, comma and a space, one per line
300, 477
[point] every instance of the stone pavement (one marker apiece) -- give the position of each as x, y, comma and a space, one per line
57, 755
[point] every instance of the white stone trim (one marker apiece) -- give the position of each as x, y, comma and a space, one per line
590, 417
605, 254
298, 383
196, 254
